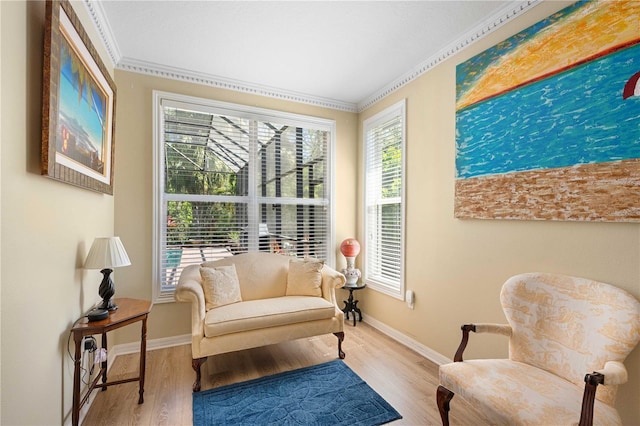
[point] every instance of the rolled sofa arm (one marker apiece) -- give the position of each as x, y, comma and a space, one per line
504, 329
331, 279
190, 290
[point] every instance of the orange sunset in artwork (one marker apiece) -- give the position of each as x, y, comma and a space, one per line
596, 29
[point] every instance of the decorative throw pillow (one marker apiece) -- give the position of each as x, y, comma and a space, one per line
221, 286
304, 278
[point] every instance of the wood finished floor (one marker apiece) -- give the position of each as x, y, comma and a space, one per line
405, 379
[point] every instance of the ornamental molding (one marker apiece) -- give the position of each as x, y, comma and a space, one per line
157, 70
496, 21
101, 24
96, 12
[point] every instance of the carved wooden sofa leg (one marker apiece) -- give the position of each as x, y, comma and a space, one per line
196, 363
340, 336
443, 396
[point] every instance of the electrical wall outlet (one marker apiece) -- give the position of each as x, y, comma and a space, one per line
410, 298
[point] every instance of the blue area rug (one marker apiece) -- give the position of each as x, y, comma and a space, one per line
324, 394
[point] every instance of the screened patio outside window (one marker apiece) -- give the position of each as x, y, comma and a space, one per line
232, 179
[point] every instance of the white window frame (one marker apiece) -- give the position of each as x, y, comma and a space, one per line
394, 289
159, 216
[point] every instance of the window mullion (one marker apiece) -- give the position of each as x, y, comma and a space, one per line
206, 198
254, 168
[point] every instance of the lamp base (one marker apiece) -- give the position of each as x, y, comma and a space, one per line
107, 290
107, 305
97, 314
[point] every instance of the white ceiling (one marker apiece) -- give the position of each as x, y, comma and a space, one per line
341, 52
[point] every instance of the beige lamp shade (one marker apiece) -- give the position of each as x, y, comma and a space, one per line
106, 252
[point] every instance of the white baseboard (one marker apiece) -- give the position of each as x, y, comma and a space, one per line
185, 339
134, 347
130, 348
409, 342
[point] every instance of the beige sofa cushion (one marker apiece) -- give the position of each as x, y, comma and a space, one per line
257, 314
221, 286
261, 275
304, 278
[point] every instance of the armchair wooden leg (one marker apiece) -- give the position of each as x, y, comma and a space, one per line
340, 336
196, 363
443, 396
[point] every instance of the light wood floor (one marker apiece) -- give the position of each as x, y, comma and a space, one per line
405, 379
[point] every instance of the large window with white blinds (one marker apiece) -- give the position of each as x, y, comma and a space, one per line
384, 145
232, 179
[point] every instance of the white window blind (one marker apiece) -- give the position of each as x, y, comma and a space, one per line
384, 136
233, 179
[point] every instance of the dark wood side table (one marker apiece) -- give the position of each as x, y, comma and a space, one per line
351, 305
128, 312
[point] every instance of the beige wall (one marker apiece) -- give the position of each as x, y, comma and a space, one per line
134, 186
0, 215
456, 267
46, 228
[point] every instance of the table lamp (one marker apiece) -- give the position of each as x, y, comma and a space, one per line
105, 254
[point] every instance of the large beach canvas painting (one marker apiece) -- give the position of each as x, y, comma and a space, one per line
548, 121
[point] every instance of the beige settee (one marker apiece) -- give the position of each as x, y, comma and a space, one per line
277, 301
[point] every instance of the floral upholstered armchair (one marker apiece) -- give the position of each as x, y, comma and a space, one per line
567, 336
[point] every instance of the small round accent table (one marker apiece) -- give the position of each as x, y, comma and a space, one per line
351, 305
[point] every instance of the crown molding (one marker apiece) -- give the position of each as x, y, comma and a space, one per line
157, 70
504, 15
500, 18
101, 23
99, 18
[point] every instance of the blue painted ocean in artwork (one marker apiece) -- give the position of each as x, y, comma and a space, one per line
89, 116
574, 117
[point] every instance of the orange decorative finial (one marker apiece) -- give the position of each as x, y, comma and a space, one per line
350, 247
